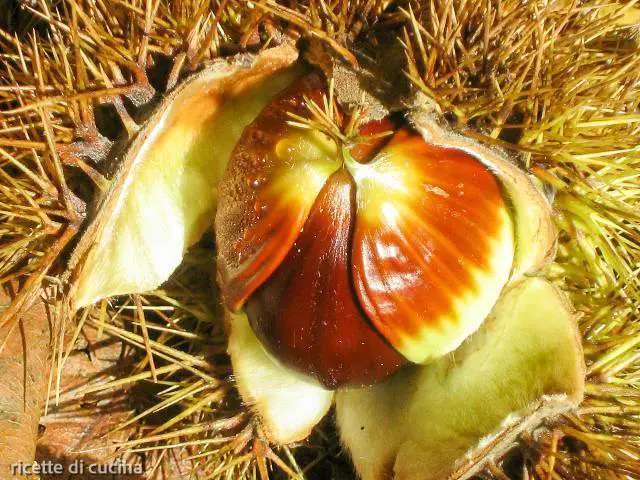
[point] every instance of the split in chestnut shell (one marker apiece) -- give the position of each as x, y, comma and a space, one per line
351, 262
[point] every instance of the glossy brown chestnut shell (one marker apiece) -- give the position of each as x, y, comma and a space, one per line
307, 310
347, 267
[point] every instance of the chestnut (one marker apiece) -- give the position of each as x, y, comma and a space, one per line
349, 268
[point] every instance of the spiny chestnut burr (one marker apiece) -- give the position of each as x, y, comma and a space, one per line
343, 262
348, 268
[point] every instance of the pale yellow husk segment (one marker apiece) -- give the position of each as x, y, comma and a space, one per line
448, 419
165, 199
289, 404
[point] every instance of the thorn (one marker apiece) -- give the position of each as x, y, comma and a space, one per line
129, 124
72, 155
91, 144
258, 451
555, 438
145, 335
496, 471
141, 91
192, 42
31, 288
174, 75
79, 207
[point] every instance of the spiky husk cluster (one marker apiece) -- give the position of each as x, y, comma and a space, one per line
557, 83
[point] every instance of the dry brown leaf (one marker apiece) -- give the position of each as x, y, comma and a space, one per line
24, 372
77, 429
